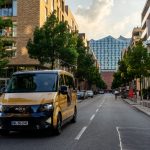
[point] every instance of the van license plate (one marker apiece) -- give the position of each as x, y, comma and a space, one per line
19, 123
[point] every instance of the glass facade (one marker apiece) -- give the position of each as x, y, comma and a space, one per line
108, 51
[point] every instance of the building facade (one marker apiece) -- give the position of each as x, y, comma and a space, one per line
108, 52
26, 15
145, 21
136, 36
145, 25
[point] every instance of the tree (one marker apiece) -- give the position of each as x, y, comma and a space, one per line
2, 2
4, 24
139, 62
86, 70
53, 41
117, 81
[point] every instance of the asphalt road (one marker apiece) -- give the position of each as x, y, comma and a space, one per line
103, 124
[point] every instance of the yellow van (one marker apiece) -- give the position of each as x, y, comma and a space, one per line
38, 100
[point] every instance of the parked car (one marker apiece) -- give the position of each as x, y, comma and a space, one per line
82, 94
90, 93
124, 94
79, 95
86, 94
101, 92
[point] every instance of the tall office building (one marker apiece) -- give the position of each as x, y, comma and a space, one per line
108, 53
26, 15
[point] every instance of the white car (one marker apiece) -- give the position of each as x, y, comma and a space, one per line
90, 93
101, 92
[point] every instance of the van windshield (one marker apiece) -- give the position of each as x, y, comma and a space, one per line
41, 82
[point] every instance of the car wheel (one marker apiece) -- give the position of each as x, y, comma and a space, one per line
58, 128
74, 119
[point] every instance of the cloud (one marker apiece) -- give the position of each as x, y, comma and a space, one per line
92, 17
97, 10
125, 25
99, 20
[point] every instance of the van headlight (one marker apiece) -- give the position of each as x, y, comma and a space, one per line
46, 107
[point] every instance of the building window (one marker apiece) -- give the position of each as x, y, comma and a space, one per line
52, 5
11, 50
14, 6
14, 29
62, 18
46, 13
57, 12
63, 6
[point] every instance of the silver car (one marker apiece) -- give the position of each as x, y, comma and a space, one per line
90, 93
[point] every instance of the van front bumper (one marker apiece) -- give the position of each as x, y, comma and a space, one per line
26, 122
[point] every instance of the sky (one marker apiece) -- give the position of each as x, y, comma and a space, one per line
100, 18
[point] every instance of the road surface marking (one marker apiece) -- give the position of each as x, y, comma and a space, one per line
100, 106
80, 133
97, 110
92, 117
117, 128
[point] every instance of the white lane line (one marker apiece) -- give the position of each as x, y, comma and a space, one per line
97, 110
100, 106
84, 128
80, 133
117, 128
92, 117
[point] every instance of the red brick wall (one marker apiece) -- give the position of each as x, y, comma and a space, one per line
108, 78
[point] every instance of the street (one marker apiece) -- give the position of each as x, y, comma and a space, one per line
103, 124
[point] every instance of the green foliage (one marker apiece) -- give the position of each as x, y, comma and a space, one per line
135, 64
53, 41
86, 69
117, 81
4, 42
138, 61
2, 2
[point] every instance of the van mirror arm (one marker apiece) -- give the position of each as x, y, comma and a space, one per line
63, 89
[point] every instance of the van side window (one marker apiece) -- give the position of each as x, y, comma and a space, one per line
69, 82
61, 80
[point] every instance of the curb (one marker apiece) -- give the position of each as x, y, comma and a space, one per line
139, 107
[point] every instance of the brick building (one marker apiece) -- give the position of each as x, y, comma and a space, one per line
26, 15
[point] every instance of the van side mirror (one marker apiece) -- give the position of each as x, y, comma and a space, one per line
63, 89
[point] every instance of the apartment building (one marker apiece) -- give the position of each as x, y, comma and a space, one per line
26, 15
145, 23
136, 35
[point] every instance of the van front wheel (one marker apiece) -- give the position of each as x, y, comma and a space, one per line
74, 119
58, 128
4, 132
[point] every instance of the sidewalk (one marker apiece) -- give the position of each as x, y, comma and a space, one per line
143, 106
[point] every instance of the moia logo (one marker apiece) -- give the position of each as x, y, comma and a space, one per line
20, 109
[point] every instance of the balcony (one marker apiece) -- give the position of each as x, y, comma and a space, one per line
144, 34
147, 16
